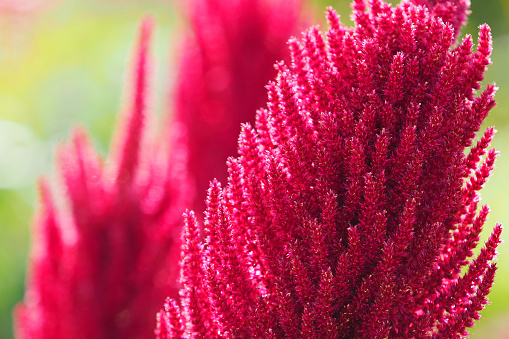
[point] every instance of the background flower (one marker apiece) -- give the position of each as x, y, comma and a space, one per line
222, 71
101, 263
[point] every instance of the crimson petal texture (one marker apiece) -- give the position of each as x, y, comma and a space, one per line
101, 267
351, 210
223, 67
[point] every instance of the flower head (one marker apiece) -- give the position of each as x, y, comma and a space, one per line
352, 209
101, 267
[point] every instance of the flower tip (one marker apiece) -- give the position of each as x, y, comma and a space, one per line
78, 132
485, 28
43, 187
147, 24
485, 35
330, 10
79, 137
499, 228
213, 191
129, 133
214, 183
332, 16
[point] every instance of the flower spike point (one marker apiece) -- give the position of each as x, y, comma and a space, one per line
128, 136
223, 67
104, 260
352, 209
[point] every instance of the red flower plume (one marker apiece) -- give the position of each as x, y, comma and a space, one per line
352, 209
101, 267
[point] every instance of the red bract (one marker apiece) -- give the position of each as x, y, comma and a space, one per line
222, 70
102, 267
351, 210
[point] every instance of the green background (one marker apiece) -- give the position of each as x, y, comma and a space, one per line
66, 65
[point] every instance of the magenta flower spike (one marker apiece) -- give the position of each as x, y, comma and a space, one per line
223, 68
352, 209
103, 263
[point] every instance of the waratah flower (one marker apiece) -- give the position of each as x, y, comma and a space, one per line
352, 209
101, 267
223, 68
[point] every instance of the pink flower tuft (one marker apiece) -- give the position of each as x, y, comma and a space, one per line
352, 209
101, 267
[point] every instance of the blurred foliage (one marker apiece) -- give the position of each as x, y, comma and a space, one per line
67, 65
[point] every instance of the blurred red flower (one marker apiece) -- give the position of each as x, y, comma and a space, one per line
223, 67
101, 267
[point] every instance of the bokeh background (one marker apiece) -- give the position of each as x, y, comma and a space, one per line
63, 63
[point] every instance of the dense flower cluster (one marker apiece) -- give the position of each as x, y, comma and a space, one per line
101, 266
223, 68
352, 209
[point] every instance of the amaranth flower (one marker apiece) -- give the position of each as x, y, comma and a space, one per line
352, 209
101, 267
